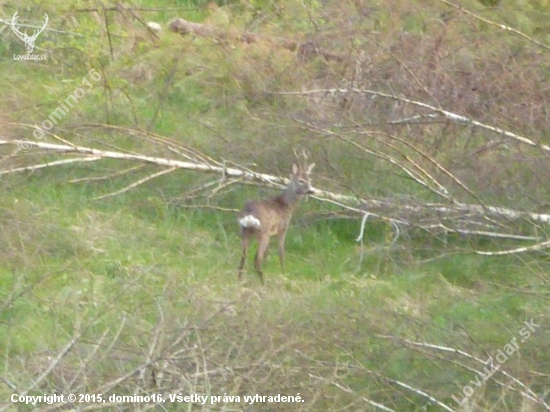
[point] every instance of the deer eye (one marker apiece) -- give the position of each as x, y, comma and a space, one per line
302, 181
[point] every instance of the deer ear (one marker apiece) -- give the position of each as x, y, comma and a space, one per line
294, 169
310, 168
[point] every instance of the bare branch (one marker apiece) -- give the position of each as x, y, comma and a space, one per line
51, 164
500, 26
108, 177
48, 370
221, 209
348, 390
527, 392
538, 246
135, 184
449, 115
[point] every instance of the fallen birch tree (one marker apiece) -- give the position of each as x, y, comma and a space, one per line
462, 218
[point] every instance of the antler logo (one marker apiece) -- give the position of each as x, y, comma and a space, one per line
29, 40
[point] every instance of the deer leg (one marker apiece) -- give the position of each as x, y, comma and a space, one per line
245, 244
281, 239
263, 243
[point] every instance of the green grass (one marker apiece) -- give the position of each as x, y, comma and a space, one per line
89, 267
108, 269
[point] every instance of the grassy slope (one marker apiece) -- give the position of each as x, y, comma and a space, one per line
132, 274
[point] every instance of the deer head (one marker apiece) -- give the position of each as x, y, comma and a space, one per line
300, 182
29, 40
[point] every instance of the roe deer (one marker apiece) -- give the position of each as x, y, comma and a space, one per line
268, 217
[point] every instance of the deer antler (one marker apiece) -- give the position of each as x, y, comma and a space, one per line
22, 36
302, 159
36, 33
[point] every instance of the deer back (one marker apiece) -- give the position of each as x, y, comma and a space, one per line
267, 215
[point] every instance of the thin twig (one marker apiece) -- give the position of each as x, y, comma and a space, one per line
221, 209
139, 182
500, 26
108, 177
48, 370
348, 390
51, 164
538, 246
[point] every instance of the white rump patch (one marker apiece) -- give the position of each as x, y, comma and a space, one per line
154, 26
250, 221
